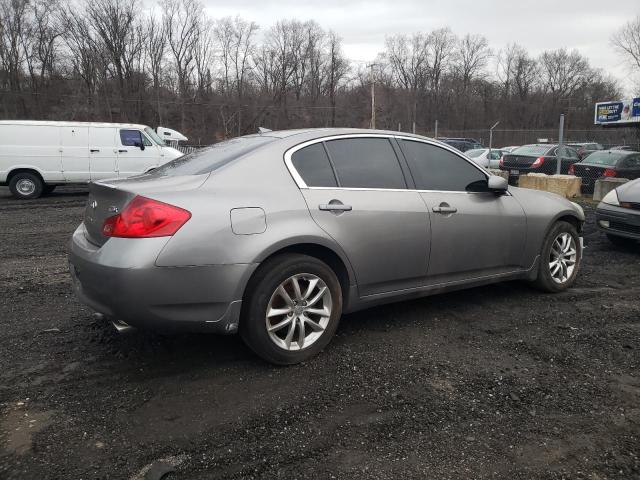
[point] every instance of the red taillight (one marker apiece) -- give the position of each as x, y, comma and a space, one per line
609, 172
144, 218
539, 161
502, 161
572, 170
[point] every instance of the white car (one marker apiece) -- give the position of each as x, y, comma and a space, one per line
36, 156
484, 157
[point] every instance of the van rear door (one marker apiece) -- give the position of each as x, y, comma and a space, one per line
102, 152
75, 153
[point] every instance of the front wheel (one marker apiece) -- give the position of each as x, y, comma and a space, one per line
560, 258
292, 309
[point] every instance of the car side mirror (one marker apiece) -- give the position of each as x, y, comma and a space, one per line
140, 145
497, 184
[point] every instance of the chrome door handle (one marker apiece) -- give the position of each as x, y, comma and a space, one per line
335, 207
445, 209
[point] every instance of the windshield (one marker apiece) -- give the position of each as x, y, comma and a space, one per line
474, 153
154, 136
533, 150
604, 158
211, 158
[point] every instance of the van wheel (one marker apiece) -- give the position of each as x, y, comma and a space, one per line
47, 189
26, 185
292, 309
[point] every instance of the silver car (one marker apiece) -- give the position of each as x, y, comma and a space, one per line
276, 235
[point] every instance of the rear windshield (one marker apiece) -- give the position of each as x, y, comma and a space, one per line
211, 158
604, 158
474, 153
531, 150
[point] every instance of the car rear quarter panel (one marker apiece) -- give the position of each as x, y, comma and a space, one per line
257, 181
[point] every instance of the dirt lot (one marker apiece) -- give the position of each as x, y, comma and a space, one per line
494, 382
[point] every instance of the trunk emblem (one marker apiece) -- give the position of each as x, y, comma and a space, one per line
94, 204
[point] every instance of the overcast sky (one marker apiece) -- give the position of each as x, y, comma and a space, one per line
585, 25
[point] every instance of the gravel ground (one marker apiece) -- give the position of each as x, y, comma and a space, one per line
493, 382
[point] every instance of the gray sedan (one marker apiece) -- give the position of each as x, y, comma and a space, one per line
276, 235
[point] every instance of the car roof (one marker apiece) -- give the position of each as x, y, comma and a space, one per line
313, 133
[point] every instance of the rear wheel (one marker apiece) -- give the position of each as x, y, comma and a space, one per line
292, 309
559, 259
26, 185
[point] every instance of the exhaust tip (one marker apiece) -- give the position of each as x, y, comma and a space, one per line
122, 326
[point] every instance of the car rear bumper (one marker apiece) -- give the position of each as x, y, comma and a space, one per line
121, 281
623, 222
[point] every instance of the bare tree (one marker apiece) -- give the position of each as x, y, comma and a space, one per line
563, 72
441, 43
627, 43
337, 68
155, 53
181, 19
408, 59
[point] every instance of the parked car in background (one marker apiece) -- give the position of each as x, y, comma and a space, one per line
509, 149
627, 148
537, 158
276, 235
618, 214
37, 156
484, 157
606, 163
586, 148
462, 144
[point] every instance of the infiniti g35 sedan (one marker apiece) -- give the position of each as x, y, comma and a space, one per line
276, 235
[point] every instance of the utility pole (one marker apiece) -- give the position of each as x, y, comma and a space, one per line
491, 142
560, 145
373, 96
435, 134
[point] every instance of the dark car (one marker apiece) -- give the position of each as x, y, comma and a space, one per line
618, 215
626, 148
606, 163
537, 158
462, 144
586, 148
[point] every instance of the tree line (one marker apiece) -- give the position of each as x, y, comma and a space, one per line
175, 65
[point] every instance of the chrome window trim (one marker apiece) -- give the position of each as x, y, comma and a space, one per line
302, 185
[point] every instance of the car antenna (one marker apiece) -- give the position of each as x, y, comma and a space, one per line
262, 130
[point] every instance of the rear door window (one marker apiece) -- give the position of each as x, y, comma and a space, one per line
312, 164
435, 168
366, 163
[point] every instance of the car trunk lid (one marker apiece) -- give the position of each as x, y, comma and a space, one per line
518, 161
108, 198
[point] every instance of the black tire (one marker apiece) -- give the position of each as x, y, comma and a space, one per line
544, 280
269, 276
26, 185
620, 241
47, 189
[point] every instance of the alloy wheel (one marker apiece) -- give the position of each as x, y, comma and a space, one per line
299, 311
562, 258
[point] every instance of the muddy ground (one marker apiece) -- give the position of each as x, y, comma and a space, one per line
494, 382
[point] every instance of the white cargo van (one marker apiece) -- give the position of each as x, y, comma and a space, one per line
37, 156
